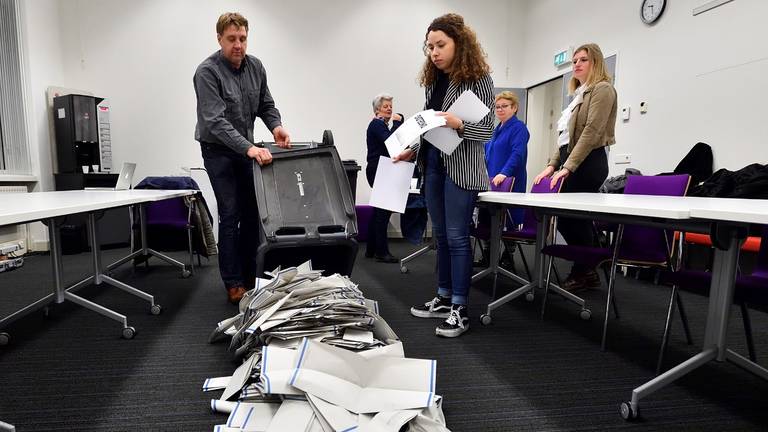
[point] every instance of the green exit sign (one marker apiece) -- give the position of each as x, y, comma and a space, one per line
561, 58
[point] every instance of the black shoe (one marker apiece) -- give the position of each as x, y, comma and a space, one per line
388, 258
438, 307
456, 323
579, 282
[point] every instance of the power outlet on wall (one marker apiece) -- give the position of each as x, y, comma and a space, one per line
622, 158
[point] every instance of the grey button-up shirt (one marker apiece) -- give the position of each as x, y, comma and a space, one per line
229, 100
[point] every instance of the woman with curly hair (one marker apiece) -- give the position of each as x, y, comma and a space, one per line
455, 63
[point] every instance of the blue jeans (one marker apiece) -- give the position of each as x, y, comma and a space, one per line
231, 176
450, 208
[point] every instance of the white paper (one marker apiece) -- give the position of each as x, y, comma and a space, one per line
467, 107
239, 378
337, 417
252, 417
358, 335
293, 415
444, 138
389, 421
364, 385
390, 189
411, 130
394, 350
216, 383
277, 368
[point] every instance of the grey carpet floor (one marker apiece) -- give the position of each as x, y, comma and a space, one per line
71, 371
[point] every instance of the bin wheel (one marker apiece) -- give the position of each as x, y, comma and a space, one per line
403, 269
627, 412
529, 297
5, 339
155, 309
186, 273
327, 138
129, 332
47, 312
485, 319
585, 314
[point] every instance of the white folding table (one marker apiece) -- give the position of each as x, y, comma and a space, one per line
51, 208
726, 220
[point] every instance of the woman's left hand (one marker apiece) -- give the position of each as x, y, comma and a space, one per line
563, 173
498, 179
451, 120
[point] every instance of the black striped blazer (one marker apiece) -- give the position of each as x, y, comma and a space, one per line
466, 165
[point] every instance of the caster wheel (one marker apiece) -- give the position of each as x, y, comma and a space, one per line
403, 269
485, 319
529, 297
5, 339
626, 411
129, 333
156, 309
186, 273
585, 314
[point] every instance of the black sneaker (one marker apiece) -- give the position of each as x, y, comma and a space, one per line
438, 307
456, 324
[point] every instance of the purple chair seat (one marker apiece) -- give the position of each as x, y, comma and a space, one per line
526, 234
170, 213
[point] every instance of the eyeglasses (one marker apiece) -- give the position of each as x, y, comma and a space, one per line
498, 107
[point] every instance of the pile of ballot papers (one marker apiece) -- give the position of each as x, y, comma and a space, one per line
318, 357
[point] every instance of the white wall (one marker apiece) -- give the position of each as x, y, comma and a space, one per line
703, 77
325, 62
44, 66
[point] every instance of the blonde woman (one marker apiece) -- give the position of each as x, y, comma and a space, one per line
580, 159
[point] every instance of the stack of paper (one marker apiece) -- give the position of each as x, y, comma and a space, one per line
319, 358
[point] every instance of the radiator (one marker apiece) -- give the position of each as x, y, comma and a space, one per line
16, 234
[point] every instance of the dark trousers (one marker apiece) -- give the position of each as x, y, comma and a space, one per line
378, 244
588, 178
231, 176
450, 208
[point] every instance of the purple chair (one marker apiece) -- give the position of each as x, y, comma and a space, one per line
751, 291
166, 217
526, 235
635, 246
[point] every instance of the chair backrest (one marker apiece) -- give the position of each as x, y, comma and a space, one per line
170, 213
645, 244
529, 218
505, 186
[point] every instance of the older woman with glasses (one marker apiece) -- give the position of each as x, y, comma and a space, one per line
507, 152
378, 132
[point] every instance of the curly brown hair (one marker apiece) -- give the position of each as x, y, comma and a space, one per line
469, 59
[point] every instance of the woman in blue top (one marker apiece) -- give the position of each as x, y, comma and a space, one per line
378, 132
507, 152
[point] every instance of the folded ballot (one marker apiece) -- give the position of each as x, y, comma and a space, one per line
363, 385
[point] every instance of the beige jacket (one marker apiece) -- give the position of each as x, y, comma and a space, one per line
592, 125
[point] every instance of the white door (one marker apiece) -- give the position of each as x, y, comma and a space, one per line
544, 108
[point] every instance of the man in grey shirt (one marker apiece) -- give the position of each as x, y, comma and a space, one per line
231, 89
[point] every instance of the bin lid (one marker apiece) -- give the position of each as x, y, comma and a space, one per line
305, 192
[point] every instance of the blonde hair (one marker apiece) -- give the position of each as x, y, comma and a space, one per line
510, 96
597, 73
230, 18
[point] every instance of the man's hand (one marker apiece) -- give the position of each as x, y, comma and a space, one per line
451, 120
260, 154
282, 138
405, 155
498, 179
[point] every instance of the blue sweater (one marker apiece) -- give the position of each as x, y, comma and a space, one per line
377, 133
507, 153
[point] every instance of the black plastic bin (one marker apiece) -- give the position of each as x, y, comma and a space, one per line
351, 168
306, 210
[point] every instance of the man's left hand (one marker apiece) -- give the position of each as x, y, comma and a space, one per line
282, 138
